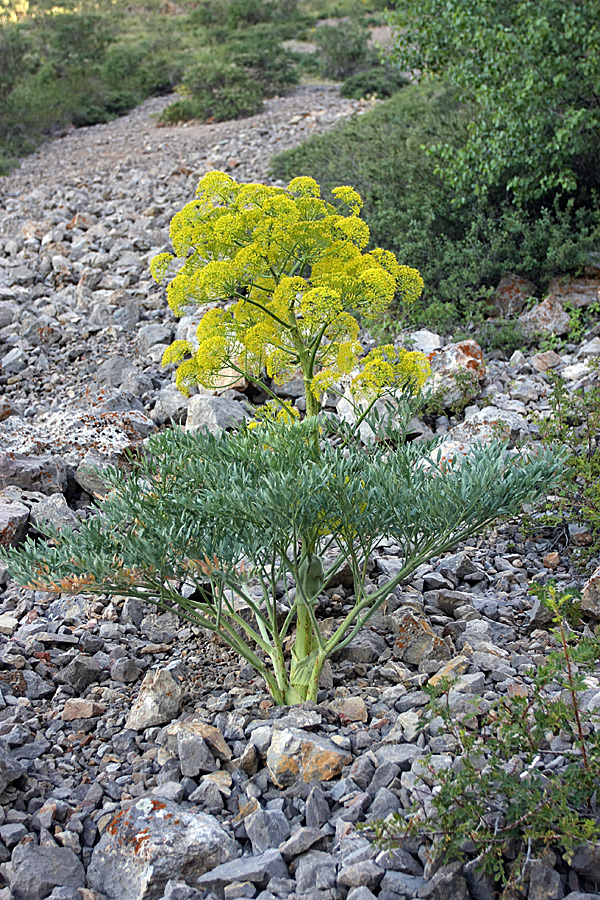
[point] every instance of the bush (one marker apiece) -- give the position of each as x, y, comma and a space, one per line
505, 796
530, 74
343, 48
265, 61
217, 90
461, 253
379, 81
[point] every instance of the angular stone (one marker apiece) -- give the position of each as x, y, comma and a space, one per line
544, 882
417, 641
547, 316
317, 808
36, 870
577, 292
424, 341
267, 829
10, 769
366, 647
453, 669
457, 566
586, 860
447, 882
47, 474
8, 624
366, 873
512, 294
158, 701
315, 871
301, 841
81, 709
194, 755
153, 841
171, 406
213, 736
151, 334
214, 414
257, 869
464, 359
294, 754
83, 671
353, 709
125, 670
491, 423
13, 522
115, 371
53, 510
544, 361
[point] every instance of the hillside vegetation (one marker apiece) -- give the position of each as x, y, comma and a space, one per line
83, 63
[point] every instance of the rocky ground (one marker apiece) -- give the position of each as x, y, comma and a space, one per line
138, 759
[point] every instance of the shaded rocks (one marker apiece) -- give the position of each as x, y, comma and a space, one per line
151, 842
258, 870
47, 474
158, 702
10, 768
294, 754
36, 870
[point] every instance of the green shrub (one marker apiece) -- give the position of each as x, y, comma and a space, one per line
504, 796
530, 73
343, 48
461, 253
574, 423
217, 90
266, 62
379, 81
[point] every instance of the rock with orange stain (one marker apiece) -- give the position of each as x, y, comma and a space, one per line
296, 755
547, 316
152, 841
512, 294
456, 369
417, 641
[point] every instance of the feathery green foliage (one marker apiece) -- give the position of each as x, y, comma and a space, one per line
208, 527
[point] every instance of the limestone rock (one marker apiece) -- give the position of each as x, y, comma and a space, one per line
153, 841
10, 769
13, 521
47, 474
214, 414
81, 709
294, 754
512, 294
158, 702
463, 360
416, 641
257, 869
548, 315
577, 292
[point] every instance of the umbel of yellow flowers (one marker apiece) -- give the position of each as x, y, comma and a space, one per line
287, 279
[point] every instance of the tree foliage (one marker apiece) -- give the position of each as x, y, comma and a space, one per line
531, 74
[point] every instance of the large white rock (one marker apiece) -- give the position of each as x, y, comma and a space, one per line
158, 702
152, 841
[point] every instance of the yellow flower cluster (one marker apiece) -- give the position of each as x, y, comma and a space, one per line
289, 274
386, 368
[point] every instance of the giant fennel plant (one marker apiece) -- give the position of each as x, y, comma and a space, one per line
241, 533
288, 280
